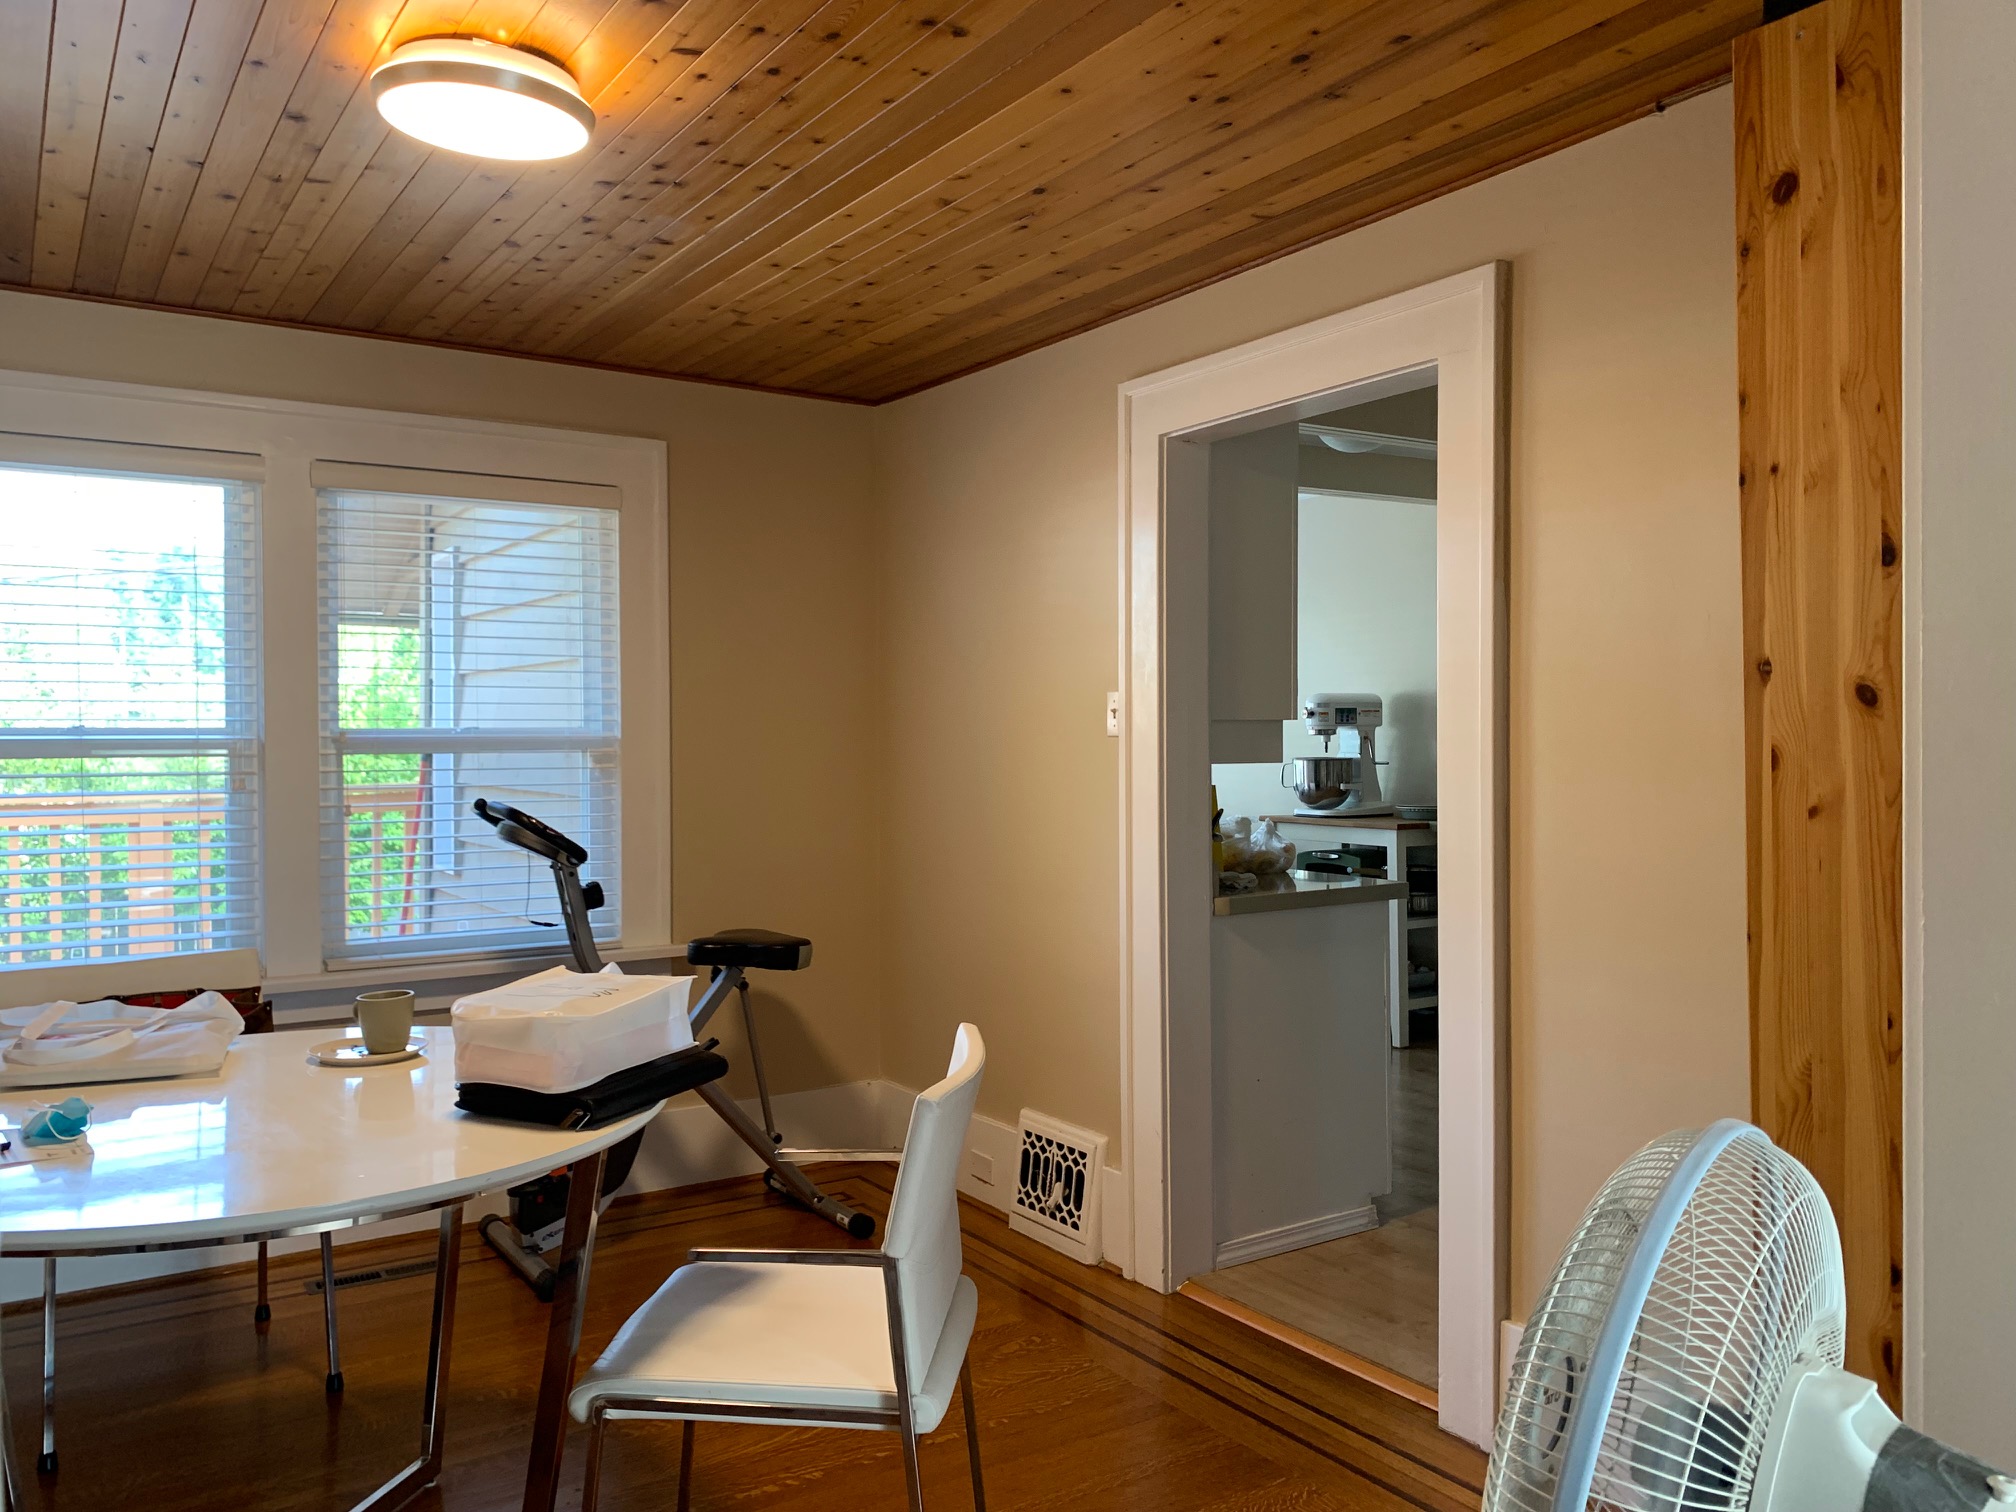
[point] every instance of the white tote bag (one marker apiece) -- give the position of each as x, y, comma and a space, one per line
559, 1030
66, 1044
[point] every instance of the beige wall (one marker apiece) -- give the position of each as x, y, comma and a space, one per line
894, 632
774, 687
998, 556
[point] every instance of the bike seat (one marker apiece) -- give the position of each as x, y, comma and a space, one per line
763, 949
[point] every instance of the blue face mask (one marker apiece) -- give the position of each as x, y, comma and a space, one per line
62, 1123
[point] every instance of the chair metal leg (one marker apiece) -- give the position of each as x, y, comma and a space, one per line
913, 1473
685, 1469
47, 1463
972, 1434
262, 1311
591, 1480
334, 1383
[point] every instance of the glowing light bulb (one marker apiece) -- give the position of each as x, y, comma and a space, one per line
483, 99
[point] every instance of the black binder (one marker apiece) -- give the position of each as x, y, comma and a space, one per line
615, 1097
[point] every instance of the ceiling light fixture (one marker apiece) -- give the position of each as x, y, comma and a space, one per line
1342, 442
483, 99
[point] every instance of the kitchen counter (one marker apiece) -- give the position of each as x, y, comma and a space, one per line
1307, 890
1345, 819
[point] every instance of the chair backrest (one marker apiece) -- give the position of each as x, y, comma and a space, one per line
923, 1231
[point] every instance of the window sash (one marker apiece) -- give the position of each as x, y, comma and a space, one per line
162, 858
505, 597
282, 446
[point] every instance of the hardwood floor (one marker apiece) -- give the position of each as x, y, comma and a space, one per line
1372, 1294
1093, 1392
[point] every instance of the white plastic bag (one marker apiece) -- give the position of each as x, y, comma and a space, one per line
66, 1044
1256, 848
560, 1030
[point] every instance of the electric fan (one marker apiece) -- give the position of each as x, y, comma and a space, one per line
1686, 1357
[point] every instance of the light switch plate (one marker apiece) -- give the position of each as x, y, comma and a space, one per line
1113, 714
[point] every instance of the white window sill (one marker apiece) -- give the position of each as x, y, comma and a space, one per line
434, 968
323, 997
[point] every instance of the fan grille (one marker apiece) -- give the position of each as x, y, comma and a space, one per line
1749, 1284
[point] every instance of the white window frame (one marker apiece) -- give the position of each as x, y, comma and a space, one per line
276, 444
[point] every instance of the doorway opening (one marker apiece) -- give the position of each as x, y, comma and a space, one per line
1301, 1075
1349, 1259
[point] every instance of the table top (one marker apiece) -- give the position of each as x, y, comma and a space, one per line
270, 1144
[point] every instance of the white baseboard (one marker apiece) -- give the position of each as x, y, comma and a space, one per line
993, 1153
1296, 1236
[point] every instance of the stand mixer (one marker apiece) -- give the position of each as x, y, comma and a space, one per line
1348, 782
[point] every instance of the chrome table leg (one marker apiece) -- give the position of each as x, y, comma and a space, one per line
46, 1464
10, 1479
425, 1470
334, 1381
563, 1334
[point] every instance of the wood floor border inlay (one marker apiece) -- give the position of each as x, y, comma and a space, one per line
975, 1234
1309, 1344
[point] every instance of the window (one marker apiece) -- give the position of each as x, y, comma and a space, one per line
469, 649
258, 658
129, 732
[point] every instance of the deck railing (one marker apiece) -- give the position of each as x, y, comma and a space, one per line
97, 876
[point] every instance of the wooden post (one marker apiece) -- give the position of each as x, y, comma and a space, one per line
1819, 335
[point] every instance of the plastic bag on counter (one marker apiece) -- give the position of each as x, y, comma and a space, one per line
1257, 848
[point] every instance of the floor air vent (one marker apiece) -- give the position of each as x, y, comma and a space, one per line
396, 1272
1057, 1186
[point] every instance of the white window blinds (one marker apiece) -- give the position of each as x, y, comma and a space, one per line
129, 749
468, 650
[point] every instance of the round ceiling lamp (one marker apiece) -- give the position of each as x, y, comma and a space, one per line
483, 99
1352, 444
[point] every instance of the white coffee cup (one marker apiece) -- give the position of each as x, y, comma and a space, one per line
386, 1019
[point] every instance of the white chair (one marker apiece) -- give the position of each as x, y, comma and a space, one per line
836, 1338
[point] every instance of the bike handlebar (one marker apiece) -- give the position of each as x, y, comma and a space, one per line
527, 833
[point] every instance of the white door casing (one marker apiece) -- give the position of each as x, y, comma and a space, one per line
1451, 333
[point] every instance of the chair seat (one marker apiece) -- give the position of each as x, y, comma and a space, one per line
778, 1334
764, 949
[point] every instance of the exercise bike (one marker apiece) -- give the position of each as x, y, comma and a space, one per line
538, 1208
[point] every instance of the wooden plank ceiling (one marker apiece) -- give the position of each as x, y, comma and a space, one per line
849, 197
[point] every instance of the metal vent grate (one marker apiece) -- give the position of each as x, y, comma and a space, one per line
1057, 1182
347, 1279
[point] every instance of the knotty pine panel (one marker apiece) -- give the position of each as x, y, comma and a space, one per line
1819, 332
856, 198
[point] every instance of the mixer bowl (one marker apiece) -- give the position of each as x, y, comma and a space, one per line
1322, 782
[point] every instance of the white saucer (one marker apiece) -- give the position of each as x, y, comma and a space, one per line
351, 1052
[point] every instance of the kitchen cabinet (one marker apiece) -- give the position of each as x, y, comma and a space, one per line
1252, 592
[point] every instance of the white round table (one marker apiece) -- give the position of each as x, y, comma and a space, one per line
274, 1146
